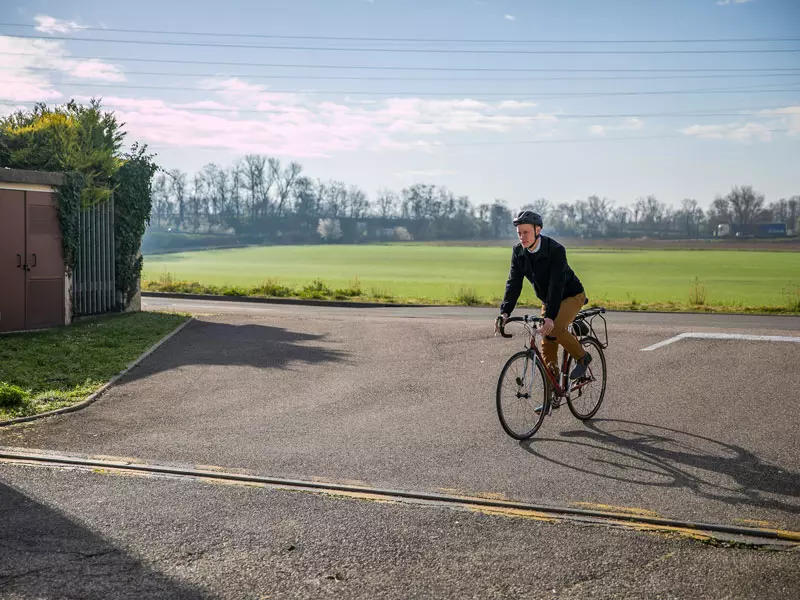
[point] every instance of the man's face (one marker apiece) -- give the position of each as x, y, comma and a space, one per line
527, 233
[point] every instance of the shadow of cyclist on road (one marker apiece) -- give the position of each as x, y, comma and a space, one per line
650, 455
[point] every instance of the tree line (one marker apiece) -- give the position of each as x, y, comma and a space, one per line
262, 197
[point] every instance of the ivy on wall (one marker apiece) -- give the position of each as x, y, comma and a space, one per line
132, 205
69, 207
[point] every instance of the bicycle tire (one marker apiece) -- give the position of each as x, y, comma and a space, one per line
589, 341
535, 369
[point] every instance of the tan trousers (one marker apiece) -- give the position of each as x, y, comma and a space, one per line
566, 314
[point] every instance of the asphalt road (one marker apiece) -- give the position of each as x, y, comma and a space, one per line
700, 429
90, 535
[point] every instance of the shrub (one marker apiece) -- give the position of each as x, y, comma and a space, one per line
468, 297
316, 289
697, 294
271, 287
12, 396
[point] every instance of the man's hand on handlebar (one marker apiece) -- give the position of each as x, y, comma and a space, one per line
546, 327
500, 321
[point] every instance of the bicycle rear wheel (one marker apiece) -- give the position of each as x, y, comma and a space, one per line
586, 394
521, 387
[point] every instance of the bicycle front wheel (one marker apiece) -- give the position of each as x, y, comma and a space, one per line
586, 394
522, 388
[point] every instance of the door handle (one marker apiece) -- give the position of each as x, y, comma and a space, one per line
19, 260
34, 261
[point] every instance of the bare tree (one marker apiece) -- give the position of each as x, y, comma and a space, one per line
794, 213
358, 204
197, 202
746, 204
162, 206
597, 212
779, 211
691, 216
258, 182
540, 206
284, 182
178, 188
386, 203
650, 211
620, 218
335, 195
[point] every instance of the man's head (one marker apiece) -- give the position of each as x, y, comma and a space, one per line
529, 226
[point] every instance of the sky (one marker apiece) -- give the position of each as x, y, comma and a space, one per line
494, 99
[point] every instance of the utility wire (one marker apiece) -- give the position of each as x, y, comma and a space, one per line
401, 68
549, 95
420, 40
428, 79
400, 50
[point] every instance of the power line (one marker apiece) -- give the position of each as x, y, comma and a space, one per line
420, 40
403, 68
548, 95
402, 50
431, 79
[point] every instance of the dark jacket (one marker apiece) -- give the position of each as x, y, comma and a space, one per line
548, 271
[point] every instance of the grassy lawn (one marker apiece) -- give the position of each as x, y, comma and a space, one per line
636, 279
63, 366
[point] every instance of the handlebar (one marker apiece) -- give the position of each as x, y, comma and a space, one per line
522, 319
584, 314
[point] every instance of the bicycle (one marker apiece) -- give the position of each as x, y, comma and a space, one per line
533, 371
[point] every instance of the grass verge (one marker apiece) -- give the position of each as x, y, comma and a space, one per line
464, 296
45, 370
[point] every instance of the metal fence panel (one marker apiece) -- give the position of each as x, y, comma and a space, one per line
93, 286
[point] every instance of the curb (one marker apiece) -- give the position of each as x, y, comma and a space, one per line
290, 301
108, 384
353, 304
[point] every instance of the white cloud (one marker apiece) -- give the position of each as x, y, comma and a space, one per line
774, 121
240, 116
92, 69
629, 124
726, 2
244, 117
20, 82
47, 24
785, 118
742, 132
26, 66
509, 17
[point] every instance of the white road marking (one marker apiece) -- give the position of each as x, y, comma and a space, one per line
723, 336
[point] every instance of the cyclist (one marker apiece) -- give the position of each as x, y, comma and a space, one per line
543, 261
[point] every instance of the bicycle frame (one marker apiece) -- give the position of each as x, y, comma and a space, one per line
556, 386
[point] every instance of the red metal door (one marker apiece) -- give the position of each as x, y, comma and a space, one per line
45, 281
12, 260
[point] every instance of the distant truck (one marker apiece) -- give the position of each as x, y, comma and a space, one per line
759, 230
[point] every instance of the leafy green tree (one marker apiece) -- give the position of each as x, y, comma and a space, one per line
67, 138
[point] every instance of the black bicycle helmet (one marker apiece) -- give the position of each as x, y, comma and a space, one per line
529, 217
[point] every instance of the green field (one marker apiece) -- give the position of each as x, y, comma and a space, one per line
416, 272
